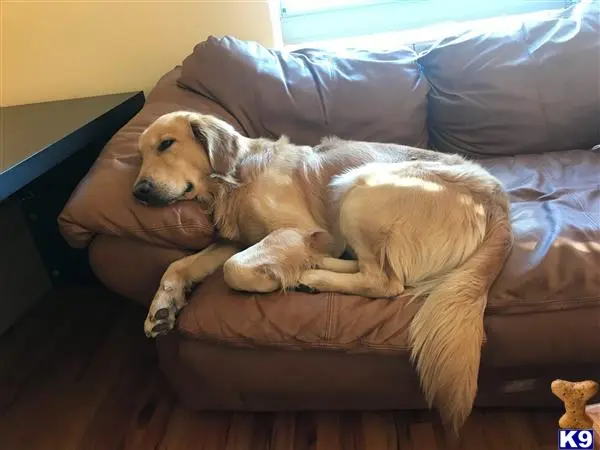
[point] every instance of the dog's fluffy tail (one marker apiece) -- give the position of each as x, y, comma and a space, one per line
447, 332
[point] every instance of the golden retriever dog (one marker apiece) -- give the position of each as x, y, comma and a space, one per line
428, 224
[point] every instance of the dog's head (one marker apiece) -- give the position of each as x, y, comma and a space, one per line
278, 261
180, 152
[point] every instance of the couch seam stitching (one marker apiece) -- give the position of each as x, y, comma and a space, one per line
313, 344
329, 329
584, 302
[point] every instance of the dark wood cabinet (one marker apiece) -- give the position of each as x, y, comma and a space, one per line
45, 150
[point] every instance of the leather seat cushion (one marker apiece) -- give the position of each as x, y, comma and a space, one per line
550, 283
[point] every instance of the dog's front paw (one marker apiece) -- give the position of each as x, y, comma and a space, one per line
168, 301
309, 282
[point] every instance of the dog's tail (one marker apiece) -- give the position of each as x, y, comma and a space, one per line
447, 332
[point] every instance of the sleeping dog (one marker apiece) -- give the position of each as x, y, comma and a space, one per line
431, 224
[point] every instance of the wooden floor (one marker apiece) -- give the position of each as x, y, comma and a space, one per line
77, 373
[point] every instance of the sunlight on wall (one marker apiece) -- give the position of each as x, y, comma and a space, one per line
56, 50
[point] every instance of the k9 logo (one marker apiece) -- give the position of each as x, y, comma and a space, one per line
575, 439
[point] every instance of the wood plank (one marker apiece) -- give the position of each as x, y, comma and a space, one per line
83, 395
520, 427
193, 430
53, 395
262, 431
379, 430
494, 431
402, 420
423, 436
177, 431
214, 431
329, 431
37, 340
284, 432
305, 431
239, 436
545, 427
148, 426
352, 435
471, 436
122, 401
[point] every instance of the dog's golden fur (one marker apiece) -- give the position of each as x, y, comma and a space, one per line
433, 224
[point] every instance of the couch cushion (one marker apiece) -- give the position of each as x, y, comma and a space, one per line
532, 88
103, 203
308, 94
555, 262
296, 320
551, 277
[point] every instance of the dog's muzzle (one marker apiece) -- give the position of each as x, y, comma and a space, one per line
146, 193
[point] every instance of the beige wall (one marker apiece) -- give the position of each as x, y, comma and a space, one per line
56, 50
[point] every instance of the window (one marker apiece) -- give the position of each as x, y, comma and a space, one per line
315, 20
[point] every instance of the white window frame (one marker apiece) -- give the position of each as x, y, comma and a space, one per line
383, 16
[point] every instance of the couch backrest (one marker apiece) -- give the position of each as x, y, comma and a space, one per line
308, 94
529, 89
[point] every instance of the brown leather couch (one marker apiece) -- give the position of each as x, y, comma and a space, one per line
524, 100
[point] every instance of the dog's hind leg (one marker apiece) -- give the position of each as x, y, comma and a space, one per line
370, 281
350, 283
365, 276
338, 265
177, 280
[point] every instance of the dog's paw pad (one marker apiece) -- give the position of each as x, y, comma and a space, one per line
162, 314
155, 327
161, 328
306, 289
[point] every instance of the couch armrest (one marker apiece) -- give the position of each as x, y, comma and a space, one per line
131, 268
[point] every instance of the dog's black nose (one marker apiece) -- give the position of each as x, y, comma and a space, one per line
143, 190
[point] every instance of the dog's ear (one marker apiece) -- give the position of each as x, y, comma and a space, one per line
220, 140
319, 240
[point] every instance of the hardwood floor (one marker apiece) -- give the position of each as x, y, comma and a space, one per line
77, 373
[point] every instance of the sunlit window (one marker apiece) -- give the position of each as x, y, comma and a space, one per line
315, 20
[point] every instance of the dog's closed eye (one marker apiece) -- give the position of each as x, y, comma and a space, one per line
165, 144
